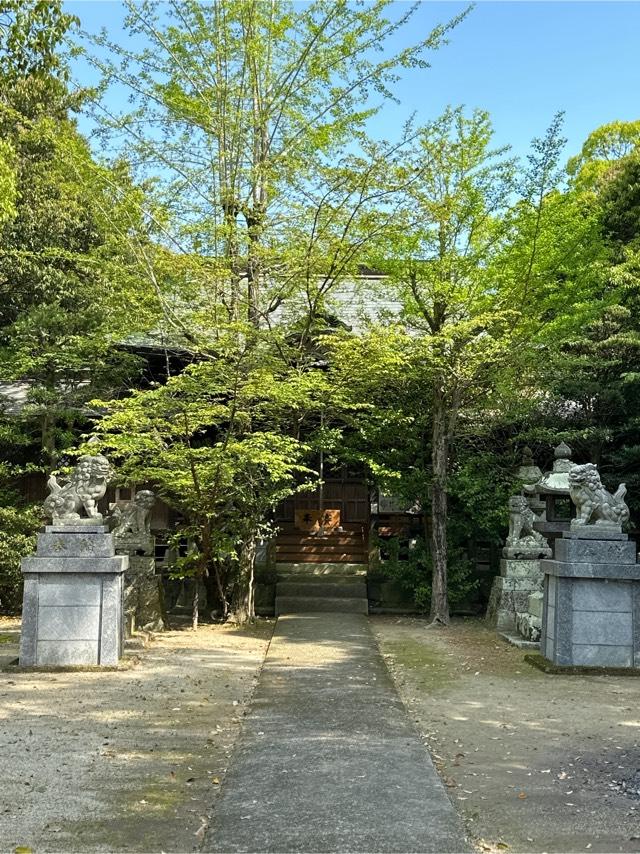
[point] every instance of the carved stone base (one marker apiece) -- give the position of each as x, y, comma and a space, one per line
72, 603
591, 612
143, 600
510, 592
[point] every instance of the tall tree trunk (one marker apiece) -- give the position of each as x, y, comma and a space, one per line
243, 608
440, 466
212, 574
195, 603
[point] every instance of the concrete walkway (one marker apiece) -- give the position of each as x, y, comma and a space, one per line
328, 760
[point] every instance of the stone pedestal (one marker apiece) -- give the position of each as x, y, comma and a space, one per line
518, 579
529, 622
72, 603
143, 600
591, 608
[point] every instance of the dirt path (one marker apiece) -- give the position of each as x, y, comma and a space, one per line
533, 762
129, 760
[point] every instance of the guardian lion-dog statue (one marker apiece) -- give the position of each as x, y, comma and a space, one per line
135, 516
523, 541
593, 503
87, 485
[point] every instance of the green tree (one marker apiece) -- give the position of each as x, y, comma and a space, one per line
246, 112
602, 149
64, 295
486, 283
218, 443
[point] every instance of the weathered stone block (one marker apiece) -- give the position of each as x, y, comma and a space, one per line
535, 605
70, 622
601, 629
509, 596
143, 599
62, 653
72, 606
591, 570
593, 655
529, 626
592, 610
83, 545
512, 568
602, 595
594, 532
69, 590
595, 551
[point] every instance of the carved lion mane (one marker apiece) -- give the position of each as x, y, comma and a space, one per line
135, 516
593, 502
87, 485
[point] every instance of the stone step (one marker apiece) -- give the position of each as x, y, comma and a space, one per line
321, 568
341, 590
295, 556
343, 539
309, 604
320, 580
321, 546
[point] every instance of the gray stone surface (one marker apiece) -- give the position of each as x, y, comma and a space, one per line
520, 568
310, 604
535, 605
529, 627
29, 633
85, 526
591, 610
77, 565
594, 655
68, 622
328, 759
594, 532
636, 623
112, 623
86, 544
602, 628
72, 605
575, 548
510, 592
69, 590
591, 570
66, 653
600, 594
143, 601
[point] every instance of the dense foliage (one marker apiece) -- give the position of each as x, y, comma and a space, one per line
222, 229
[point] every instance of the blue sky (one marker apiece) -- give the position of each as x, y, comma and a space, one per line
522, 61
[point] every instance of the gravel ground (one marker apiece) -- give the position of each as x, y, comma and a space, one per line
533, 762
130, 760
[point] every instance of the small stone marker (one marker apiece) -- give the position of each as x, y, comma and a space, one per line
73, 585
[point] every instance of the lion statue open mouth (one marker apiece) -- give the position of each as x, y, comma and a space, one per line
593, 503
87, 485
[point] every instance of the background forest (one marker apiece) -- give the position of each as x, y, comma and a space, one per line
224, 220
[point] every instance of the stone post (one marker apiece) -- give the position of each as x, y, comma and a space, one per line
72, 603
591, 608
143, 600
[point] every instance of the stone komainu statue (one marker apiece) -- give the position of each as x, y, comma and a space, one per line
86, 486
523, 540
135, 516
593, 502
